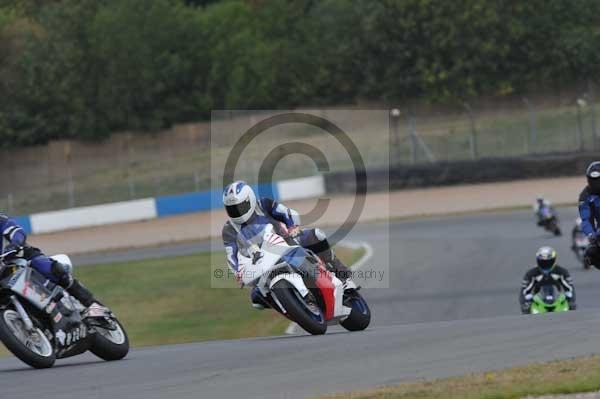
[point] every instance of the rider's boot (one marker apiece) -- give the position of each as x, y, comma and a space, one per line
81, 293
258, 301
92, 307
316, 241
343, 273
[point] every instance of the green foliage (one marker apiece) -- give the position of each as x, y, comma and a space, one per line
86, 68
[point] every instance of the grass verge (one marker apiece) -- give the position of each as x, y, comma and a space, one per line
558, 377
168, 301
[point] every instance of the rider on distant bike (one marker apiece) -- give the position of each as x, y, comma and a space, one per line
547, 271
542, 208
14, 239
243, 208
589, 211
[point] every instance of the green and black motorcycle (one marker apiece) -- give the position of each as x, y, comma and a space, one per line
546, 301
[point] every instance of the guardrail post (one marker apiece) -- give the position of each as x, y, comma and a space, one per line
131, 184
196, 180
70, 183
395, 133
413, 139
10, 203
473, 136
580, 103
532, 140
593, 116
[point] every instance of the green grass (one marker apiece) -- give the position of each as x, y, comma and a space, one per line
170, 301
559, 377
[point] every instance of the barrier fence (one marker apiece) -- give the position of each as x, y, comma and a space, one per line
151, 208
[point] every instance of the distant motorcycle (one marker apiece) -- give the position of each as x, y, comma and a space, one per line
295, 282
580, 245
40, 322
546, 301
549, 221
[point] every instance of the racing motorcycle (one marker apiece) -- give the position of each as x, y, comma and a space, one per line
546, 301
295, 282
40, 322
549, 221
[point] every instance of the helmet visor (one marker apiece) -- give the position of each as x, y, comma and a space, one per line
546, 264
594, 184
235, 211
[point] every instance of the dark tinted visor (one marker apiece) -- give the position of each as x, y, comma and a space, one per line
546, 264
235, 211
594, 184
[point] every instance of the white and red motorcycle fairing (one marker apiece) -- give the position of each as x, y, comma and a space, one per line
274, 266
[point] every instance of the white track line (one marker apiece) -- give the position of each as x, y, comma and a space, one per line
292, 328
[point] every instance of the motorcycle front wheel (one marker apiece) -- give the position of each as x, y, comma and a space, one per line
305, 313
32, 347
111, 341
360, 317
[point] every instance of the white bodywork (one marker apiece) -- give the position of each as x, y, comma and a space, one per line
273, 248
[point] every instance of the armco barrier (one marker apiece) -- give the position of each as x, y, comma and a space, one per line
306, 187
203, 201
151, 208
97, 215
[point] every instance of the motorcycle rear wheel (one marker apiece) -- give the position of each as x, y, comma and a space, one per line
36, 351
297, 310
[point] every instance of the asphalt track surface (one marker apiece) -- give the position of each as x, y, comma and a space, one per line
451, 308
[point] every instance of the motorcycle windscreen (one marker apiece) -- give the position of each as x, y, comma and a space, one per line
250, 273
548, 295
30, 285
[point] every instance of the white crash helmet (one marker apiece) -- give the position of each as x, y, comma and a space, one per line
240, 202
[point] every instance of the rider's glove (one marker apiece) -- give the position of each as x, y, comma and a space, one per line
593, 239
256, 256
294, 231
569, 295
13, 247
